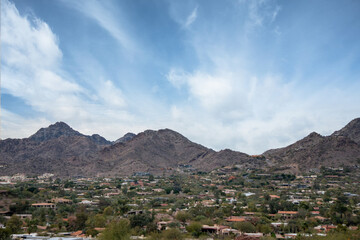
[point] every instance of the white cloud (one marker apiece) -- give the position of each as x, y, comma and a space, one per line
102, 13
15, 126
260, 13
177, 77
30, 61
250, 113
212, 91
184, 14
232, 105
31, 70
111, 95
228, 104
191, 18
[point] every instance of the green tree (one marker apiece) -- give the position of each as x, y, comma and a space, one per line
172, 234
122, 205
20, 207
183, 216
194, 228
14, 224
91, 232
264, 228
79, 222
31, 225
5, 234
247, 227
140, 220
81, 218
117, 230
97, 220
108, 211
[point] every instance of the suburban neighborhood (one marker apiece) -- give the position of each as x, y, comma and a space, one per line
227, 203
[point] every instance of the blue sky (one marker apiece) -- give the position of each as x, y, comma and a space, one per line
245, 75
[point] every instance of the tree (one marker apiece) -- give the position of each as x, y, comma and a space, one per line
195, 229
97, 220
108, 211
183, 216
172, 234
20, 207
122, 205
5, 234
247, 227
264, 228
40, 215
140, 220
79, 222
91, 232
14, 224
69, 184
81, 218
31, 225
117, 230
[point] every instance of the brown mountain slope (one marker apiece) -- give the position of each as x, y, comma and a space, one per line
51, 149
227, 157
152, 151
351, 130
54, 155
65, 152
61, 150
315, 151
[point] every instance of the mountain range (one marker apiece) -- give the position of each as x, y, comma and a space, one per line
61, 150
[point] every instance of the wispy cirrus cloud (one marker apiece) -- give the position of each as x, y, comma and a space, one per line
247, 75
191, 18
184, 14
243, 105
102, 12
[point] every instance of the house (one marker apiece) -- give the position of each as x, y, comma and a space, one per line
61, 200
235, 219
162, 225
44, 205
216, 229
288, 214
274, 196
24, 216
249, 236
228, 231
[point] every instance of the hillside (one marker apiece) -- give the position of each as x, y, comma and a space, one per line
339, 149
61, 150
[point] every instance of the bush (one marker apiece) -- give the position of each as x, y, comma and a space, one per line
195, 229
245, 227
172, 234
119, 230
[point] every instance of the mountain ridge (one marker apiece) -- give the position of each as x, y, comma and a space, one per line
66, 152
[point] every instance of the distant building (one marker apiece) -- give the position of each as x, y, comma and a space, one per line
44, 205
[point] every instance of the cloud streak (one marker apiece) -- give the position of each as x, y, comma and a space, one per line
102, 13
191, 18
244, 107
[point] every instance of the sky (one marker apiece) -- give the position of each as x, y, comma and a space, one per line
239, 74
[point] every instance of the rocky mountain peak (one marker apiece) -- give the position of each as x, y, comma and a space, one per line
127, 137
99, 139
314, 135
351, 130
71, 153
54, 131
